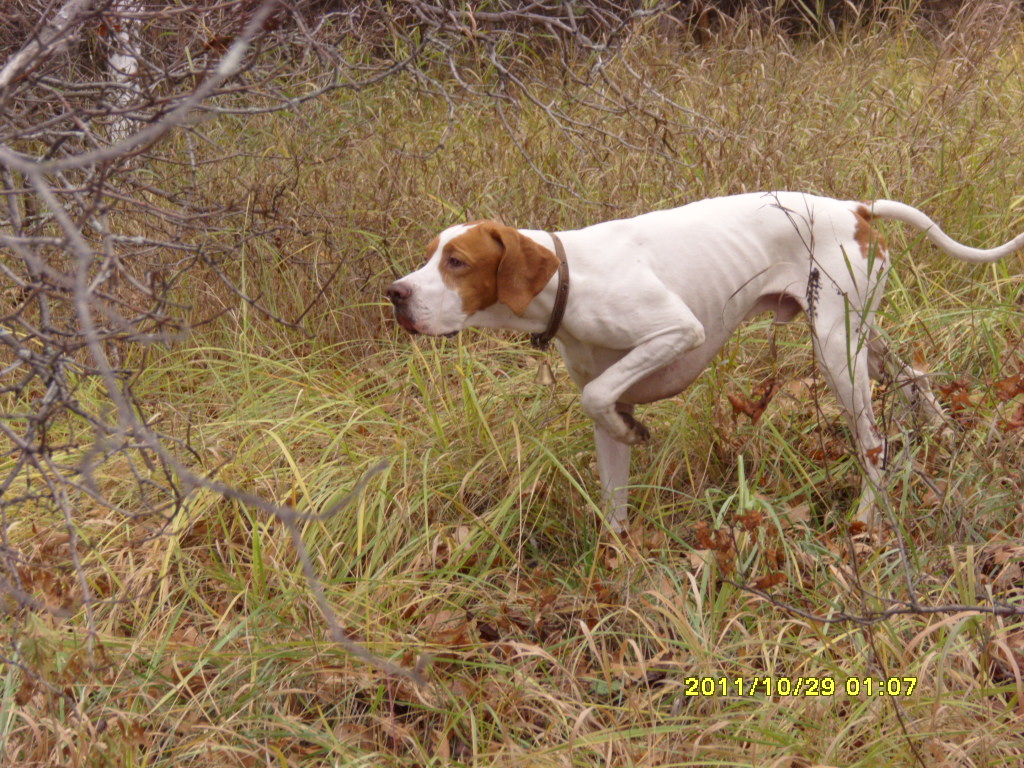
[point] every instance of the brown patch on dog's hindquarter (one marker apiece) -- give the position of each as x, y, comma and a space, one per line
868, 238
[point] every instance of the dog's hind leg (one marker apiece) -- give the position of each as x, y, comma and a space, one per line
846, 366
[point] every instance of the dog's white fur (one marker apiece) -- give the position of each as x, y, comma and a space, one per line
653, 298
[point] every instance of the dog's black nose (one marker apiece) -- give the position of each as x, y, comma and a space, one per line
398, 293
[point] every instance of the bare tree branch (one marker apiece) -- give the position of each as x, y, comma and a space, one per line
60, 186
52, 39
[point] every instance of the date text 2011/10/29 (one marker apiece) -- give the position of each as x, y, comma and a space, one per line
798, 686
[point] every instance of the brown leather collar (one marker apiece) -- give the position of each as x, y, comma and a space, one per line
541, 340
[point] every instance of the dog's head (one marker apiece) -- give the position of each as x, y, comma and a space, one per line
472, 271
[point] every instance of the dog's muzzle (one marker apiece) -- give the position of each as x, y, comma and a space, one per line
398, 294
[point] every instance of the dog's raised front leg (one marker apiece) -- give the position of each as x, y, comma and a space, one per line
601, 396
613, 469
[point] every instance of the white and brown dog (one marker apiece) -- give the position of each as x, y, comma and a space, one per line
653, 299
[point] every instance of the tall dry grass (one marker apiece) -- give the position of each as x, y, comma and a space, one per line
477, 551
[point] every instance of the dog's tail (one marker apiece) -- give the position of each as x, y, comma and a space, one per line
890, 209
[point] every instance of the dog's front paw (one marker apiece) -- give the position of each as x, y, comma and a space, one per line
615, 419
635, 431
622, 426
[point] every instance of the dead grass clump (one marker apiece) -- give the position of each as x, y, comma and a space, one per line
476, 554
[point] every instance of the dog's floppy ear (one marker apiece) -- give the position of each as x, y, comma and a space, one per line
524, 269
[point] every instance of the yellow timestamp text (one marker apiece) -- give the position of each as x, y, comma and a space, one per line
772, 685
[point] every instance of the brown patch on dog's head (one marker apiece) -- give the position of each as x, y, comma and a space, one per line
432, 247
491, 263
868, 238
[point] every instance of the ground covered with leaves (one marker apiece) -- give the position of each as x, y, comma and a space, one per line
741, 621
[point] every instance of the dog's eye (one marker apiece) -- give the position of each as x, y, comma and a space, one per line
454, 263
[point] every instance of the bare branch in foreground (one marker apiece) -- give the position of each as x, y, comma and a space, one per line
79, 298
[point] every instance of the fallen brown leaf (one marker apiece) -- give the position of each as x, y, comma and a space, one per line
1016, 421
770, 580
750, 521
796, 513
753, 408
704, 540
858, 526
960, 402
720, 542
1010, 387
